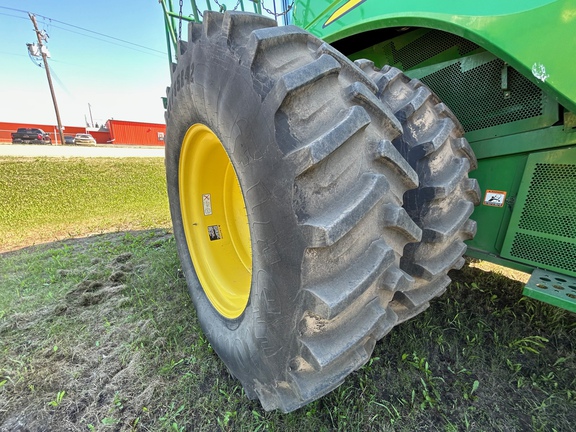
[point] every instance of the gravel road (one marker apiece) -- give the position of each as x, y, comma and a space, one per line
36, 150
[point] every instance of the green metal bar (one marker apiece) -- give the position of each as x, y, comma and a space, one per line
173, 22
184, 17
168, 44
208, 5
170, 33
195, 10
526, 142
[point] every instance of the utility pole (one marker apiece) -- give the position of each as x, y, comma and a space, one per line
42, 37
91, 119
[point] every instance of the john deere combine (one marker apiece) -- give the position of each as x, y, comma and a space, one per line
318, 173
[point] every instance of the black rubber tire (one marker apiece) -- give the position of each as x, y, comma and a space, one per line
433, 143
323, 186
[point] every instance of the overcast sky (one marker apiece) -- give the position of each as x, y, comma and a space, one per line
119, 80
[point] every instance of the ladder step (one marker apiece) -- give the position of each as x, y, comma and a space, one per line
553, 288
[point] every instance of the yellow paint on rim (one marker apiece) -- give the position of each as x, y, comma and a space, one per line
215, 221
342, 10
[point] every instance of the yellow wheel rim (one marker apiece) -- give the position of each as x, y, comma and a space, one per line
215, 221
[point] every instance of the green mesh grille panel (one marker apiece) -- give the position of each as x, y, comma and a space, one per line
545, 251
470, 81
542, 229
550, 205
433, 43
477, 98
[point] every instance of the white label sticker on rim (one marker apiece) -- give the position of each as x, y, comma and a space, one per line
207, 203
214, 232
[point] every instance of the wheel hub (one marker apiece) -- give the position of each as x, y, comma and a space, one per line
215, 221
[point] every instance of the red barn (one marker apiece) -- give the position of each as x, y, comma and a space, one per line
116, 132
129, 132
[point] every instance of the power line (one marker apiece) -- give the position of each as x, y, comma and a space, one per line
12, 16
13, 54
85, 30
102, 34
110, 42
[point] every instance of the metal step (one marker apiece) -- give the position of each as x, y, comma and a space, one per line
554, 288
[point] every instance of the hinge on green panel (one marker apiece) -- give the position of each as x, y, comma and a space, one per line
554, 288
504, 75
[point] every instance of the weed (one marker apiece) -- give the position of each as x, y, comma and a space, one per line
170, 418
470, 395
531, 344
225, 420
109, 421
118, 404
56, 402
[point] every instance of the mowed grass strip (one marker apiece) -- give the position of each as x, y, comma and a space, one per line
44, 199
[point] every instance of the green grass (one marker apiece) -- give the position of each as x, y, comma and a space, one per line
99, 334
46, 199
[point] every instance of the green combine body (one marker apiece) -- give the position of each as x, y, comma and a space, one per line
507, 72
504, 69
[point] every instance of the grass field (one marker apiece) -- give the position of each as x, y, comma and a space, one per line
44, 199
98, 333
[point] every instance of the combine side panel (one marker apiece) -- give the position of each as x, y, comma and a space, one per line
543, 226
503, 28
506, 71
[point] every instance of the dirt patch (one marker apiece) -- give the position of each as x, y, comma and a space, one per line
78, 366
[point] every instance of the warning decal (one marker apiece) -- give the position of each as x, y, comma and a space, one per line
494, 198
207, 203
214, 232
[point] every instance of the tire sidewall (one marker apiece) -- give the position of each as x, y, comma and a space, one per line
256, 346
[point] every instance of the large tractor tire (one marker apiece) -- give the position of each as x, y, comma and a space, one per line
286, 198
433, 143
